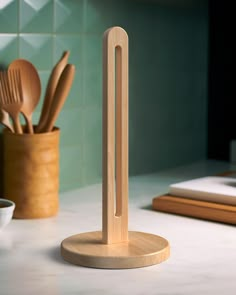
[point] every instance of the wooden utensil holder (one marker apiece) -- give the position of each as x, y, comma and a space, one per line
31, 173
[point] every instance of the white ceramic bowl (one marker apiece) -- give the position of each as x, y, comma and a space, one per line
6, 211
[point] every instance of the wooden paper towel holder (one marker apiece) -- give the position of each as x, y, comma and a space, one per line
115, 246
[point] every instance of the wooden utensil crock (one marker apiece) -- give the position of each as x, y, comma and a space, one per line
31, 173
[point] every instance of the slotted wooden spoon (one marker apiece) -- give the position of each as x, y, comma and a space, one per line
31, 88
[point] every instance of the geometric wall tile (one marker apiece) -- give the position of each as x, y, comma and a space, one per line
8, 16
69, 16
75, 98
44, 77
36, 16
73, 43
96, 20
92, 87
70, 121
70, 167
92, 121
8, 48
92, 48
92, 163
37, 49
167, 77
92, 52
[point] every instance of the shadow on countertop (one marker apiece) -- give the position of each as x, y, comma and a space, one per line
54, 254
147, 207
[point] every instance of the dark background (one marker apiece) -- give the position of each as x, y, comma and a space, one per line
222, 106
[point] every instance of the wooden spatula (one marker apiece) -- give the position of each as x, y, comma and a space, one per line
60, 95
51, 88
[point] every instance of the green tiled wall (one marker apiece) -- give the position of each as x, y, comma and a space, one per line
168, 76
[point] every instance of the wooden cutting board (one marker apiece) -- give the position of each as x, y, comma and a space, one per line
195, 208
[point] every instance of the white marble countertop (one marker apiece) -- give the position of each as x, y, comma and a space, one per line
203, 254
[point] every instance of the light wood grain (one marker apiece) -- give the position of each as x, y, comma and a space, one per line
114, 246
51, 88
31, 173
11, 99
4, 119
141, 250
115, 136
31, 89
60, 96
194, 208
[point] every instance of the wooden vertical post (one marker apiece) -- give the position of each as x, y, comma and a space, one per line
115, 136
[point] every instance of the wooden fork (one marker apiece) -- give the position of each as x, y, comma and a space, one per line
11, 96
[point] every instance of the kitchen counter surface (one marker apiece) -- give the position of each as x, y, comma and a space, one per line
203, 253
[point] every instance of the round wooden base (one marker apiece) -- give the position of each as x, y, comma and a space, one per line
141, 250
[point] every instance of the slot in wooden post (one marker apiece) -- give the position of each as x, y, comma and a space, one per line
115, 136
114, 246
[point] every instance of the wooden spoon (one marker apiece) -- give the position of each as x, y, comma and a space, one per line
61, 93
31, 88
51, 87
4, 119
